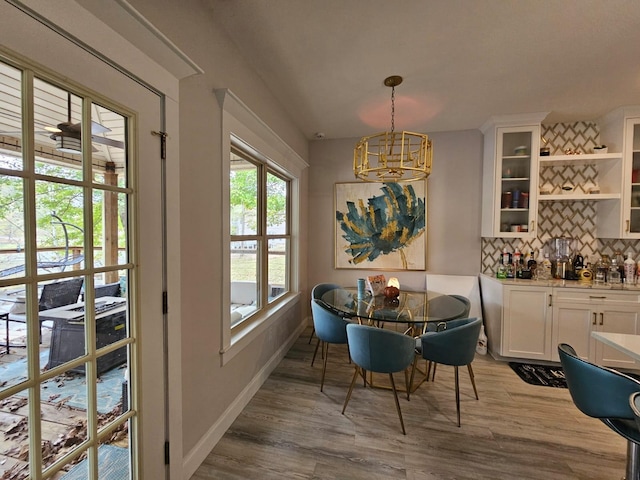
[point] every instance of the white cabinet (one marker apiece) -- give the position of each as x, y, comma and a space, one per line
510, 175
526, 323
577, 313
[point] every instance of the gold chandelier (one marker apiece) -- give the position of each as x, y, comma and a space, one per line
393, 156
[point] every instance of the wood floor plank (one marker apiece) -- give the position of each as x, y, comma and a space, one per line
291, 430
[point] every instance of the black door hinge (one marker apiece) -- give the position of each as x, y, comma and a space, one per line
163, 143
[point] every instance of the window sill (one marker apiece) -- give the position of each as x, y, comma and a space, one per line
247, 331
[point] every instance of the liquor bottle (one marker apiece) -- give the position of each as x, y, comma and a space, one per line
614, 272
620, 263
629, 270
545, 274
532, 265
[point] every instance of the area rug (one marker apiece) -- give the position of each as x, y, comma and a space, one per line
68, 389
545, 375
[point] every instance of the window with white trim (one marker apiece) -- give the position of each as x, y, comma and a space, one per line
259, 213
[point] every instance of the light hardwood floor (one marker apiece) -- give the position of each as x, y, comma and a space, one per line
515, 431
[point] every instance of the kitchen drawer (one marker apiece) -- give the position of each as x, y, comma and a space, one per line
596, 297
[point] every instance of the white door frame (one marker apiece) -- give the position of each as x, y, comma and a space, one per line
86, 30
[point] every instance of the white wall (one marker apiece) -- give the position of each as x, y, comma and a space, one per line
210, 391
453, 207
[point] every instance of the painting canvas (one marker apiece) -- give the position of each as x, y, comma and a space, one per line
381, 226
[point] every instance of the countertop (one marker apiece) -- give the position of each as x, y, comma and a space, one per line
565, 284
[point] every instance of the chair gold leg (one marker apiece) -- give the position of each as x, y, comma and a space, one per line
313, 330
414, 366
395, 395
315, 352
473, 381
353, 382
433, 375
457, 393
325, 351
406, 382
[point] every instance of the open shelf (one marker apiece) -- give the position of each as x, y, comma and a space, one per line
579, 196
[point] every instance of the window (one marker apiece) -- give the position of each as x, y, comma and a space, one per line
259, 229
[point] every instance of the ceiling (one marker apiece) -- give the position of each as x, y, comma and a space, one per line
462, 60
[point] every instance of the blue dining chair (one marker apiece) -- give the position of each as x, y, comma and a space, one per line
329, 328
316, 294
377, 350
604, 393
455, 346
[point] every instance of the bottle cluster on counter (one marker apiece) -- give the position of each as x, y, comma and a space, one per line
617, 270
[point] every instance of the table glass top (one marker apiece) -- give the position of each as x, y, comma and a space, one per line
410, 307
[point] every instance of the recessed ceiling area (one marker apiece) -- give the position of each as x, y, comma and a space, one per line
462, 60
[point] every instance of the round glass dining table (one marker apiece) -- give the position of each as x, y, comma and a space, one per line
416, 309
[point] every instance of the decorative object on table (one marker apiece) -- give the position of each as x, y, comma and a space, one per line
392, 156
392, 290
600, 149
380, 226
362, 287
376, 284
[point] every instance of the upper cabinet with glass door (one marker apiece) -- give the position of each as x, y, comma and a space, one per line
510, 176
631, 208
620, 131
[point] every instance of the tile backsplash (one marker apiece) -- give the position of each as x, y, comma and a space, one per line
576, 219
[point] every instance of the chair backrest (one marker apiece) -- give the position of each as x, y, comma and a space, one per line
634, 403
330, 328
454, 346
321, 288
598, 392
379, 350
58, 294
108, 290
448, 307
466, 285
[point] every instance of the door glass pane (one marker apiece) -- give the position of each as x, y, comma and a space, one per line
109, 227
15, 450
59, 216
12, 240
10, 117
108, 146
57, 116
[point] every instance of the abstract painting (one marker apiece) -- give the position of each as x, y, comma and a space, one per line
381, 226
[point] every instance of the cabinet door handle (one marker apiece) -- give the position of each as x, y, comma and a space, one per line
533, 226
601, 318
595, 316
594, 297
550, 300
628, 227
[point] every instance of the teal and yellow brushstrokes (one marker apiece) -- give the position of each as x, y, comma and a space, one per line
385, 224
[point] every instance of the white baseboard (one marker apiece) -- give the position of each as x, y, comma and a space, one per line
197, 455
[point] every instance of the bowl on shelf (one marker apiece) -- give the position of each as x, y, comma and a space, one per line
600, 149
521, 150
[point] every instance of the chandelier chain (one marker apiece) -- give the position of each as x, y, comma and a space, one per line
393, 109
